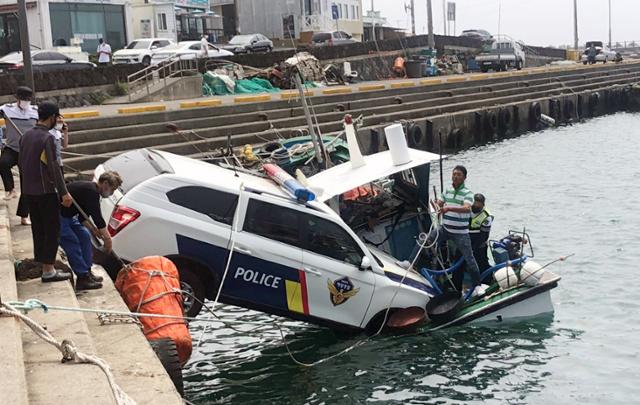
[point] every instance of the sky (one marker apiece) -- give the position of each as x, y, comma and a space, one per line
536, 22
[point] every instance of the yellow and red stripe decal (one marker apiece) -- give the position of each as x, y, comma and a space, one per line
297, 300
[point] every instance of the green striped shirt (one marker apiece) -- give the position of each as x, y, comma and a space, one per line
456, 222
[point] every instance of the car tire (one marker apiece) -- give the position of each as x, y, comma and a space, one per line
167, 353
146, 61
194, 285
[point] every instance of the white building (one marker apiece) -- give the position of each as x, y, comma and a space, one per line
290, 18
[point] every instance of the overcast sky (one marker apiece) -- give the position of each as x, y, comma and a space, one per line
536, 22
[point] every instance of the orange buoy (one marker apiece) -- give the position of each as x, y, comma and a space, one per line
151, 285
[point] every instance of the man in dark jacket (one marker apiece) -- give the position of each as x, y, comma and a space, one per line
43, 186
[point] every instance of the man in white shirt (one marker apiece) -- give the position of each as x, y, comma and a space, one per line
204, 46
104, 52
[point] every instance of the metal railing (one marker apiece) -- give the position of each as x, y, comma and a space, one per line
143, 80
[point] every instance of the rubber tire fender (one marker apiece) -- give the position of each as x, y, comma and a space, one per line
569, 108
594, 101
167, 353
554, 109
490, 122
414, 135
535, 113
504, 120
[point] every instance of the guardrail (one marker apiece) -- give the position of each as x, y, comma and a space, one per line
146, 78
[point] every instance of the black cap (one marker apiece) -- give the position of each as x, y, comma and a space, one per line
24, 92
47, 109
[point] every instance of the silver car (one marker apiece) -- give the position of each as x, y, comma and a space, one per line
332, 38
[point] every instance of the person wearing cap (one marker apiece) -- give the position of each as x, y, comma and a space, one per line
479, 230
43, 187
19, 117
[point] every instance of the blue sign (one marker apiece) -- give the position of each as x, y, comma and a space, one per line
334, 11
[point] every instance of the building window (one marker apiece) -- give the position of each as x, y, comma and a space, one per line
162, 22
357, 12
353, 13
345, 12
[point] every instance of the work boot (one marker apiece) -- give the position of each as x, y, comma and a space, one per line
95, 277
85, 282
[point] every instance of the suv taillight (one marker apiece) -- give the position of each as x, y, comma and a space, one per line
121, 217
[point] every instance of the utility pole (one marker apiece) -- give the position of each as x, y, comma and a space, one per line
432, 42
444, 16
413, 18
575, 24
373, 22
26, 45
609, 24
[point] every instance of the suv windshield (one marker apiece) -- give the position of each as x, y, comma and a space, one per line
137, 166
139, 45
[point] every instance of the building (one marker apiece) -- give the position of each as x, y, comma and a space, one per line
289, 18
376, 28
84, 22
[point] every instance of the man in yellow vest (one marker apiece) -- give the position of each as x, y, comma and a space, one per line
479, 230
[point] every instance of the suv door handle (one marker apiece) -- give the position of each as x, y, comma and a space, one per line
242, 250
312, 271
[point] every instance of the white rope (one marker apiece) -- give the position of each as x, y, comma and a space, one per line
71, 353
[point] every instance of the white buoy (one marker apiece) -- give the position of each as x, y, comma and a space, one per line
506, 278
397, 143
531, 273
355, 155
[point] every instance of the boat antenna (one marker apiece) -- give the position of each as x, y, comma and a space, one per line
440, 152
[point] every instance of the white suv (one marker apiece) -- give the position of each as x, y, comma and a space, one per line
140, 50
293, 259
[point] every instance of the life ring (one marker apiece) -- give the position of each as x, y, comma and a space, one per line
504, 120
490, 122
535, 113
414, 135
594, 101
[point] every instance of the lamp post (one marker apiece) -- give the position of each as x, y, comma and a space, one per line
25, 45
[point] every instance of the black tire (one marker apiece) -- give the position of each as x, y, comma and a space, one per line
535, 113
194, 285
414, 135
108, 262
167, 353
585, 62
519, 65
146, 61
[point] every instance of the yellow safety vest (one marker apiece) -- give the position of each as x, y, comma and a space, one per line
477, 220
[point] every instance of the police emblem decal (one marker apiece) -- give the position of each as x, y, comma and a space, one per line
341, 290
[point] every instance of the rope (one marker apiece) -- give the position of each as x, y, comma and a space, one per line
71, 353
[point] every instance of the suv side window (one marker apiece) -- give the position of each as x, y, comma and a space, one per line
328, 239
273, 222
217, 205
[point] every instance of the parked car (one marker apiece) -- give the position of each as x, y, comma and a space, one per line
140, 50
504, 54
603, 53
42, 60
249, 43
482, 35
332, 38
187, 50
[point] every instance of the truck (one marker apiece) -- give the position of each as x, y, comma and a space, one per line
503, 54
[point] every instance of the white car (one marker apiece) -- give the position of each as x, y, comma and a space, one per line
188, 50
603, 53
140, 51
299, 260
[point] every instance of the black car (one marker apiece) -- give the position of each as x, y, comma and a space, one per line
249, 43
43, 61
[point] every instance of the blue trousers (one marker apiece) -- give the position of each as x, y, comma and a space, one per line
75, 240
463, 244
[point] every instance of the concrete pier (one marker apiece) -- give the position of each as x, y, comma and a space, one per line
31, 370
462, 110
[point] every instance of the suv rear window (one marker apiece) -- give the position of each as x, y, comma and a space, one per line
137, 166
215, 204
273, 222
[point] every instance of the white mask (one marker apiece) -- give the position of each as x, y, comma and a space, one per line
24, 104
59, 126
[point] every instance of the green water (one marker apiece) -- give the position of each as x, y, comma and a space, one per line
576, 190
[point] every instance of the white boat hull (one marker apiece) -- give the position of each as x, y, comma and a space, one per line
536, 305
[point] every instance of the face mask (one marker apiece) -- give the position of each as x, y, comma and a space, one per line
59, 126
476, 210
24, 104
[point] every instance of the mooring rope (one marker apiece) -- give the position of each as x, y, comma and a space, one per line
71, 353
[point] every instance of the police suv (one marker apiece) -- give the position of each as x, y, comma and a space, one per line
292, 259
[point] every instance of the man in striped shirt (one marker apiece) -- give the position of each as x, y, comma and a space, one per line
455, 207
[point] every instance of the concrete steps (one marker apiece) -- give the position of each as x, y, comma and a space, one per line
33, 366
330, 122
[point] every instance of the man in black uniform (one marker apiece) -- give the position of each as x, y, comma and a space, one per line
75, 238
479, 230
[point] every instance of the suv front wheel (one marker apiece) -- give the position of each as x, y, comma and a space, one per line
194, 291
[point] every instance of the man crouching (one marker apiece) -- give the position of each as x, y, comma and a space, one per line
75, 236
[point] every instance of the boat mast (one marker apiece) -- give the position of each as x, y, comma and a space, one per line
317, 142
